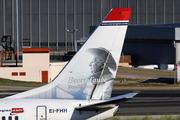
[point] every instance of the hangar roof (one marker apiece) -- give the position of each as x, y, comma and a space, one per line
156, 31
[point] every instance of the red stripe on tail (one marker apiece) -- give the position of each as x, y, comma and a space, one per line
118, 14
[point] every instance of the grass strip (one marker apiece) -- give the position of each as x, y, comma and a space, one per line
147, 72
8, 82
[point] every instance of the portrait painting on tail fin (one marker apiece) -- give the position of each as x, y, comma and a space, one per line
101, 79
95, 80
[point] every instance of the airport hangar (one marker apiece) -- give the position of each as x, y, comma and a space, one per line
43, 24
150, 44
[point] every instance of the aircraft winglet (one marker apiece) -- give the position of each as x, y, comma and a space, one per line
117, 14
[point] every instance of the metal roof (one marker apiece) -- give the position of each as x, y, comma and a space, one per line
157, 31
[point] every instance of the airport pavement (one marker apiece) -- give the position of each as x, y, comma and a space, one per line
153, 102
11, 90
146, 117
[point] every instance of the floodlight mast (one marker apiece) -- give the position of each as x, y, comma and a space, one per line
72, 37
17, 27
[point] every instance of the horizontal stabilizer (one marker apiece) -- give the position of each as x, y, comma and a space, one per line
107, 104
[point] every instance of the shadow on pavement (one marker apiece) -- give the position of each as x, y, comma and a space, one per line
160, 80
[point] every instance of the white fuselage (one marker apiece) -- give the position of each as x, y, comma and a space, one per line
45, 109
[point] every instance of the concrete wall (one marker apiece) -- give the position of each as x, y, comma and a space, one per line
31, 74
35, 59
35, 68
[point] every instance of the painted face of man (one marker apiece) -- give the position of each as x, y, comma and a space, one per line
96, 65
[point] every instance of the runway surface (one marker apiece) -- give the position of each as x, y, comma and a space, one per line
154, 102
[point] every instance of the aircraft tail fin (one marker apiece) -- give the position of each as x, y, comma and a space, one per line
91, 72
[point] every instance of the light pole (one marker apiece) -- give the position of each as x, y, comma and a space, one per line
71, 37
17, 26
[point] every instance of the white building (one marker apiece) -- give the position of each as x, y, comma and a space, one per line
36, 67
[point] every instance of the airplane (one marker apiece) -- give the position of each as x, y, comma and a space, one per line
82, 89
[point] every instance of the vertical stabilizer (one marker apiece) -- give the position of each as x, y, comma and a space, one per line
91, 72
